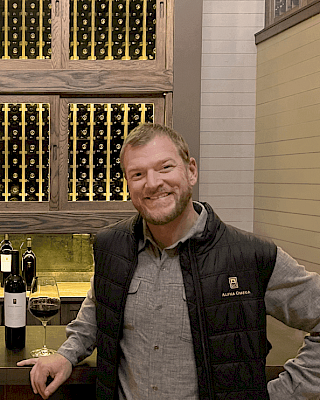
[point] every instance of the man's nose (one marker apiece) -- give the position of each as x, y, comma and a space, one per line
152, 180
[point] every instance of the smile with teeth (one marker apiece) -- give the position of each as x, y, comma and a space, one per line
158, 196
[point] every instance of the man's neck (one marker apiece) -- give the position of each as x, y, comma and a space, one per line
168, 234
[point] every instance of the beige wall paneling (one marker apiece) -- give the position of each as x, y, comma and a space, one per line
228, 107
287, 163
287, 156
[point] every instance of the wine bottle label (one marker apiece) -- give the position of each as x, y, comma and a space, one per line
14, 309
5, 262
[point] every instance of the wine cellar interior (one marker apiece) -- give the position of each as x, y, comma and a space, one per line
76, 77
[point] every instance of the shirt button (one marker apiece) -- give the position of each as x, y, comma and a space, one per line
156, 347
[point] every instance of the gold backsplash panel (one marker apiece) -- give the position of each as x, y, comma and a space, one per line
68, 257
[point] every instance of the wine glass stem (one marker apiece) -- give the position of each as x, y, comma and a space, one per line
44, 323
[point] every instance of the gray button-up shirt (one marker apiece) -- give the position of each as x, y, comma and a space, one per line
158, 357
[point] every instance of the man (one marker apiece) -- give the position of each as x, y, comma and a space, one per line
178, 304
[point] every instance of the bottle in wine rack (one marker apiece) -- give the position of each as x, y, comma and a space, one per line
5, 258
29, 264
15, 306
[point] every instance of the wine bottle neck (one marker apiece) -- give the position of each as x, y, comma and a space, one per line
15, 262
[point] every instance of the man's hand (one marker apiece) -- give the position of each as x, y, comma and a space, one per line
55, 365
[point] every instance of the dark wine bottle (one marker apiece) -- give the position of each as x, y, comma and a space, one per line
28, 264
6, 257
15, 306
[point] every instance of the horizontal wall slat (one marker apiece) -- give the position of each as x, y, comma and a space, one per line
226, 164
296, 191
227, 150
282, 91
229, 202
282, 102
211, 111
228, 72
293, 235
226, 138
228, 47
305, 222
296, 131
228, 33
289, 118
226, 189
238, 214
294, 206
226, 176
289, 176
308, 67
290, 58
230, 99
297, 146
229, 86
236, 60
310, 160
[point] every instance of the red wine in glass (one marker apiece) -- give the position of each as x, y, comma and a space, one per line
44, 304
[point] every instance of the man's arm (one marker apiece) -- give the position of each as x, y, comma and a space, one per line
293, 297
80, 343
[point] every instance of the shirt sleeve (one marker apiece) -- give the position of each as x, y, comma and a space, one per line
81, 332
293, 297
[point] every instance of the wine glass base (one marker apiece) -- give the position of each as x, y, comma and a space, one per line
42, 352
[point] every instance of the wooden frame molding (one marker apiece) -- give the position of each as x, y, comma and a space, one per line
288, 21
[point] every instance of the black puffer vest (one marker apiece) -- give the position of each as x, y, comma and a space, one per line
225, 274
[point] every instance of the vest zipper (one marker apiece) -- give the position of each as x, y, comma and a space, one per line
200, 311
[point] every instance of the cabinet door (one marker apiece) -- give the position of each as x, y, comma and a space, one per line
86, 46
28, 142
30, 34
92, 133
69, 312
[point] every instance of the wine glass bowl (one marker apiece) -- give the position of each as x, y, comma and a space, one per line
44, 304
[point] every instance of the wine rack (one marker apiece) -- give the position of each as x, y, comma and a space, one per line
26, 29
24, 152
96, 134
112, 29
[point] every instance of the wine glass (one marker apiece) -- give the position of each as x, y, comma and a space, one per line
44, 304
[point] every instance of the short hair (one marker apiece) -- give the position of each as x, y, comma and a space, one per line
144, 133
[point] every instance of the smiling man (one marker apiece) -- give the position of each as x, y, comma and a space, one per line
178, 304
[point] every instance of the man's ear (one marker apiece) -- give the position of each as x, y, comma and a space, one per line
192, 171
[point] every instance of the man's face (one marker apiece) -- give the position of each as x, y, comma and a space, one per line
160, 183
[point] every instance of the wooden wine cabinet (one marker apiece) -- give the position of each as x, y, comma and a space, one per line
78, 75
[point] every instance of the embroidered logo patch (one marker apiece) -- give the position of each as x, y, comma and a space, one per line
233, 282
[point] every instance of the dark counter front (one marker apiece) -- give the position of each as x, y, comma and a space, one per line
15, 381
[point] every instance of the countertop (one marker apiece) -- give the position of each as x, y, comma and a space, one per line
10, 374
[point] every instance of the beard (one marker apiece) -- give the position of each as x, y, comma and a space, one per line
163, 219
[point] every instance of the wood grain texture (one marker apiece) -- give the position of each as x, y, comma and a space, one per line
58, 221
86, 81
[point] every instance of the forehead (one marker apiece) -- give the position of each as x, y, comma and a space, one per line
158, 149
